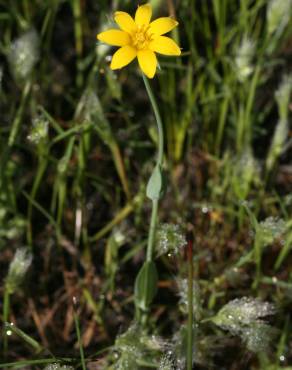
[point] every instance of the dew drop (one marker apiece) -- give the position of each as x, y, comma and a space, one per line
205, 209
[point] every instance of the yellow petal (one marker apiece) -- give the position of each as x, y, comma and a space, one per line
125, 22
114, 37
164, 45
147, 62
123, 56
143, 15
162, 25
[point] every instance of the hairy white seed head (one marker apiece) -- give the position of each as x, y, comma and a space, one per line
246, 171
24, 54
169, 239
281, 133
17, 269
134, 346
257, 337
278, 15
243, 59
271, 229
39, 130
243, 311
167, 362
243, 317
282, 96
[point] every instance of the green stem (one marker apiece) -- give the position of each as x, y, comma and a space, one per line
158, 120
258, 257
76, 5
190, 307
151, 236
77, 328
17, 120
143, 316
5, 155
42, 165
6, 304
221, 126
250, 100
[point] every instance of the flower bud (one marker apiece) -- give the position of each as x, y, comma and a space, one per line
24, 54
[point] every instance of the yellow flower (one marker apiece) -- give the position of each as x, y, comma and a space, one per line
140, 38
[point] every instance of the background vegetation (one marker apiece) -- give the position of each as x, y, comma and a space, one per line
77, 145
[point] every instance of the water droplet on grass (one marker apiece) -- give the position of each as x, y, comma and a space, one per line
271, 229
243, 317
169, 239
205, 209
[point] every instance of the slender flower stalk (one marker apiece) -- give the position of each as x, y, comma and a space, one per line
153, 222
190, 338
6, 305
77, 328
141, 38
16, 274
146, 282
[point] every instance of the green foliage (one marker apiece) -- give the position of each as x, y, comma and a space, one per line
77, 142
156, 184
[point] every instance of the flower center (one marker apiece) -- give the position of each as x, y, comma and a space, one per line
141, 37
